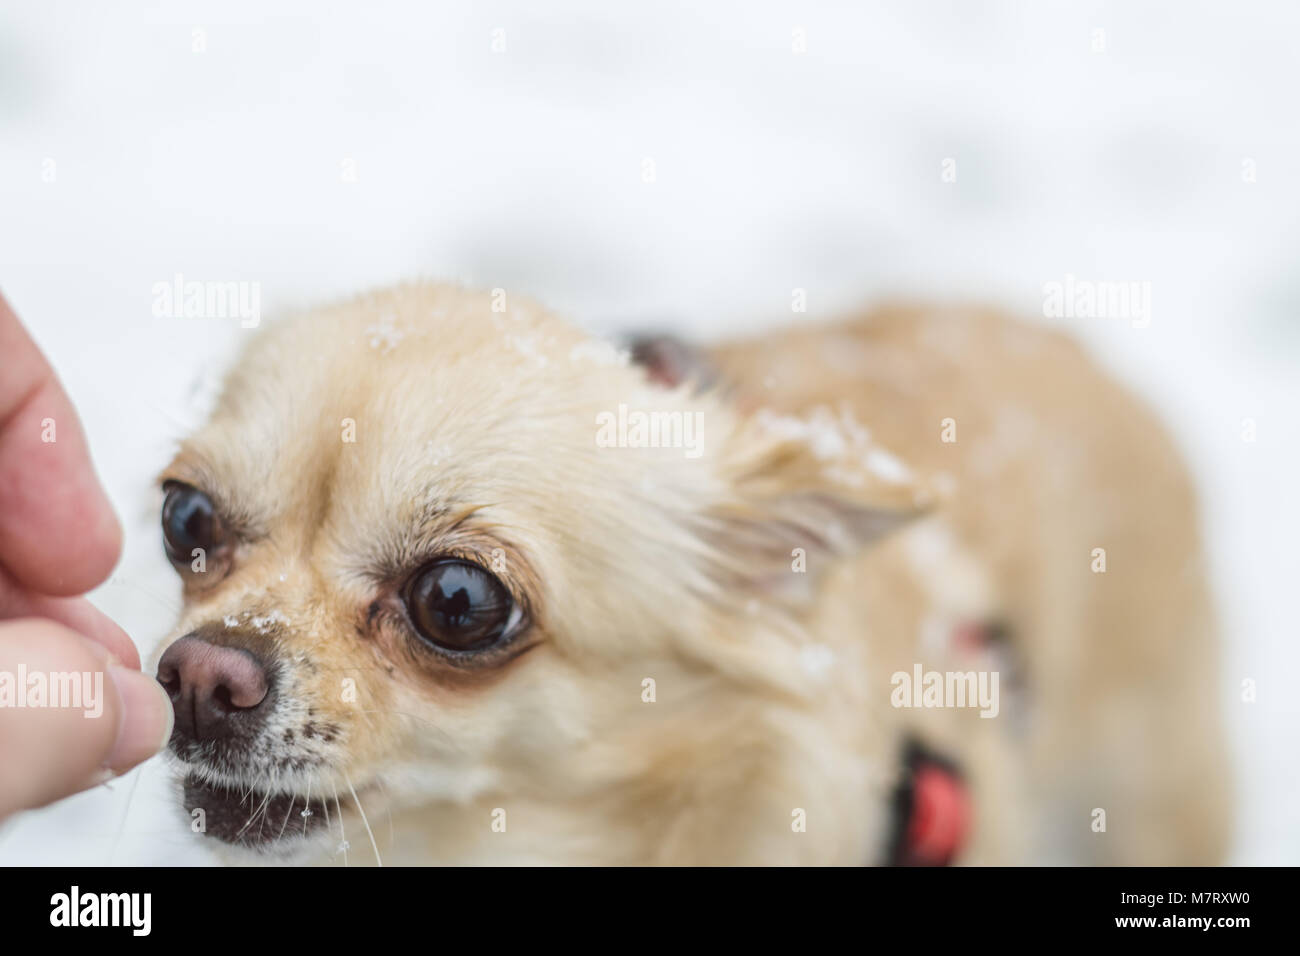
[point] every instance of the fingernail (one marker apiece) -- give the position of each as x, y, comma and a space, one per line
146, 718
100, 777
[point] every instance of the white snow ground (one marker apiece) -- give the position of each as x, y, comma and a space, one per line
773, 171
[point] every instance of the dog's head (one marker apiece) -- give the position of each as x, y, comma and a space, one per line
441, 549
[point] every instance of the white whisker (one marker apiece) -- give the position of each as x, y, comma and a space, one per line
362, 810
121, 827
306, 810
343, 833
388, 808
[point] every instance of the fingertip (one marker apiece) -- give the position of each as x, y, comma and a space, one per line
53, 745
59, 534
147, 719
88, 560
100, 549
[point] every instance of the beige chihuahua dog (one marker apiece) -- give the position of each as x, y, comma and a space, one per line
464, 585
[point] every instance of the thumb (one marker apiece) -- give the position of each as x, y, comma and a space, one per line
71, 716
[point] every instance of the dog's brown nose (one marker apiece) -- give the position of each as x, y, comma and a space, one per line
216, 691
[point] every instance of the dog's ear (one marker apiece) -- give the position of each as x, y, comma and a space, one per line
803, 492
670, 361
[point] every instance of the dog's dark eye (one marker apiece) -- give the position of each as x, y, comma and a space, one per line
190, 524
460, 607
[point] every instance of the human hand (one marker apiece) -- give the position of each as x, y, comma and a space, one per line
58, 539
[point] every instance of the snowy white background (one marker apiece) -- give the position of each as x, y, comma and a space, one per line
523, 169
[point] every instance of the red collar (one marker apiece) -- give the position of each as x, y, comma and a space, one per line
931, 811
